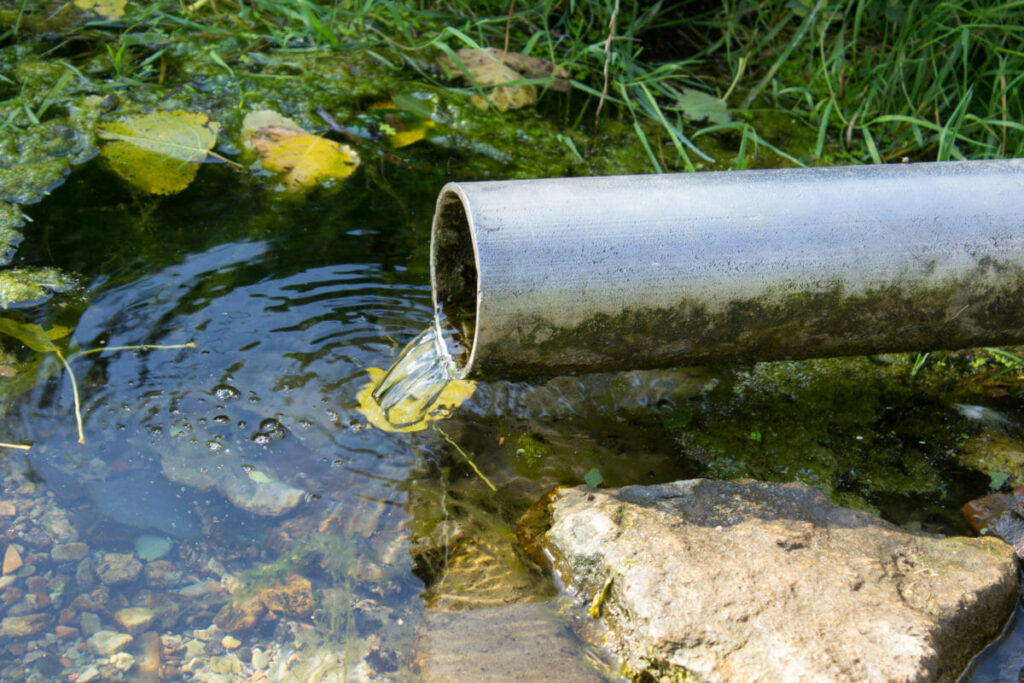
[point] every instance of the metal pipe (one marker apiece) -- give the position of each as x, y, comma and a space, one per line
544, 277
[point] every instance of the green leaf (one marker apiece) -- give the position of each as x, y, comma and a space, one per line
593, 478
258, 477
697, 105
58, 332
679, 419
413, 105
997, 479
29, 334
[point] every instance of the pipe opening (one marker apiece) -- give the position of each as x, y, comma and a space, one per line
453, 275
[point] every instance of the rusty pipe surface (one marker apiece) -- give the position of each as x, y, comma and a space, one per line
543, 277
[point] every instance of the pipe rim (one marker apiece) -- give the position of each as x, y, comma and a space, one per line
455, 280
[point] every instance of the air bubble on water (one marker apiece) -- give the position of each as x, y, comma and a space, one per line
214, 445
260, 438
272, 427
221, 419
226, 392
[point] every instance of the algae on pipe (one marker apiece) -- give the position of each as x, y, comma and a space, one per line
552, 276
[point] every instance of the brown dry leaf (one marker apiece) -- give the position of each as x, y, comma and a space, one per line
518, 64
535, 67
307, 159
487, 69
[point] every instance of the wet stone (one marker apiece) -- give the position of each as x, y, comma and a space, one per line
12, 560
25, 625
122, 661
90, 623
134, 620
773, 582
107, 643
163, 574
114, 568
89, 674
69, 552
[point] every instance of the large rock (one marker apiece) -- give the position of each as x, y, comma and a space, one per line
741, 580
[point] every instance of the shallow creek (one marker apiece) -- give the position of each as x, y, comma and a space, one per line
244, 462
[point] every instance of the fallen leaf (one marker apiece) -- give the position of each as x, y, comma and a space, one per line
108, 9
535, 67
29, 334
307, 159
411, 416
523, 66
697, 106
159, 152
488, 70
258, 477
401, 127
264, 118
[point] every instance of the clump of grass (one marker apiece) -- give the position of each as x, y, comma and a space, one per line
806, 81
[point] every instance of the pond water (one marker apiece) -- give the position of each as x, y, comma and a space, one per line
236, 497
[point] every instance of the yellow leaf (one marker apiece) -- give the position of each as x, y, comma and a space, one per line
411, 416
108, 9
159, 152
307, 159
402, 128
184, 135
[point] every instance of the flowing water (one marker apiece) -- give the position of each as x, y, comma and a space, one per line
239, 487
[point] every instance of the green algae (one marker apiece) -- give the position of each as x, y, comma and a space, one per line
32, 285
857, 429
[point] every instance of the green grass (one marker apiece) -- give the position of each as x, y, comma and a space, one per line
805, 81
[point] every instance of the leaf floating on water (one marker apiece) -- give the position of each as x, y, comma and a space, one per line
411, 417
108, 9
258, 476
307, 159
401, 126
593, 478
265, 118
159, 152
29, 334
697, 105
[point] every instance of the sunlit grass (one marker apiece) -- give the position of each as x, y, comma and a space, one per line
856, 81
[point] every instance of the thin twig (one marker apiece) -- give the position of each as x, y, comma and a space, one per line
134, 347
19, 446
468, 459
508, 29
607, 59
74, 391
